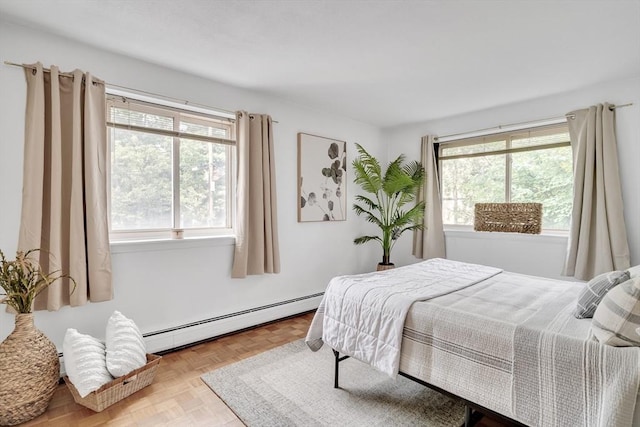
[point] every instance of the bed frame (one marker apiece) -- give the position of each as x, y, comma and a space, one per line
472, 411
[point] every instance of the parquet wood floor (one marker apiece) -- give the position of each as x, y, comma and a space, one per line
178, 397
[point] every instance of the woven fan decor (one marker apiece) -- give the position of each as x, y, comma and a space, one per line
29, 372
119, 388
508, 217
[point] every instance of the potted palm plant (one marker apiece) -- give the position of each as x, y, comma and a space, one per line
29, 364
391, 191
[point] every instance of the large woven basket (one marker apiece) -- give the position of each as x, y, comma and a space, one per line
29, 372
119, 388
508, 217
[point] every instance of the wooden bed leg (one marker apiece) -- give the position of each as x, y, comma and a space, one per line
336, 371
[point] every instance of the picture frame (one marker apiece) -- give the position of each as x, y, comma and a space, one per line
322, 178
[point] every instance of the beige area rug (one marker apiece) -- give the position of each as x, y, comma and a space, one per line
293, 386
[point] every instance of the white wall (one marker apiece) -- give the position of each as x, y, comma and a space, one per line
163, 285
542, 255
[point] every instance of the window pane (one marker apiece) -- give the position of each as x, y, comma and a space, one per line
140, 180
162, 182
203, 184
138, 118
468, 181
545, 176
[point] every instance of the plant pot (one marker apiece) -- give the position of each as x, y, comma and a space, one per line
29, 372
387, 266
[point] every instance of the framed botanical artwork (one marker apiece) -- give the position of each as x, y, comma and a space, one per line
322, 179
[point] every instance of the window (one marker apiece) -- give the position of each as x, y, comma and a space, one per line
532, 165
170, 171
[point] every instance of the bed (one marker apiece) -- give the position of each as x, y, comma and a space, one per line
505, 342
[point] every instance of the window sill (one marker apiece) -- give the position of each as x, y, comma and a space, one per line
124, 246
548, 236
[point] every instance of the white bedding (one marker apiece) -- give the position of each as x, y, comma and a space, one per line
511, 344
363, 315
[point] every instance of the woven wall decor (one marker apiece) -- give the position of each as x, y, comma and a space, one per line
508, 217
29, 372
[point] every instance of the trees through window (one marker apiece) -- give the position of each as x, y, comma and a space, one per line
532, 165
170, 170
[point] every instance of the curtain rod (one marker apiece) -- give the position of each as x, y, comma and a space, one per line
549, 120
142, 92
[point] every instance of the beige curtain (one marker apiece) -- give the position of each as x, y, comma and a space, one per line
64, 199
598, 237
429, 242
256, 250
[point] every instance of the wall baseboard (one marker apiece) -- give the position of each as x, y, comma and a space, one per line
181, 336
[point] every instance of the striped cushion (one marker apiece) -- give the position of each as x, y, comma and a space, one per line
618, 315
595, 290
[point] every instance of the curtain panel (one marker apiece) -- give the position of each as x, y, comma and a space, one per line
64, 197
429, 242
598, 237
256, 249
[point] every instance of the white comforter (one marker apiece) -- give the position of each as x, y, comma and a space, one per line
363, 315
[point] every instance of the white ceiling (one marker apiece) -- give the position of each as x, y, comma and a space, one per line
382, 62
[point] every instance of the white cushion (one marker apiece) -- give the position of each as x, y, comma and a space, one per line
125, 346
84, 362
617, 317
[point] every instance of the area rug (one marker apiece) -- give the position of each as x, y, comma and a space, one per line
293, 386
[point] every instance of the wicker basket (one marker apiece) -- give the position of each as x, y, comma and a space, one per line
508, 217
119, 388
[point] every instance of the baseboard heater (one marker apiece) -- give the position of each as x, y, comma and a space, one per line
230, 315
188, 334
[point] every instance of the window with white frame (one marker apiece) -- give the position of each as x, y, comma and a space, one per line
531, 165
170, 171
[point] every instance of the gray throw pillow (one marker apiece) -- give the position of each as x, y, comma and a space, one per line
617, 318
595, 290
634, 271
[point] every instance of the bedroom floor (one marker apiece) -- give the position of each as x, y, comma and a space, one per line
177, 395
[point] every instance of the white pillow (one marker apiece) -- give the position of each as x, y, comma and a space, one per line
125, 346
84, 361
